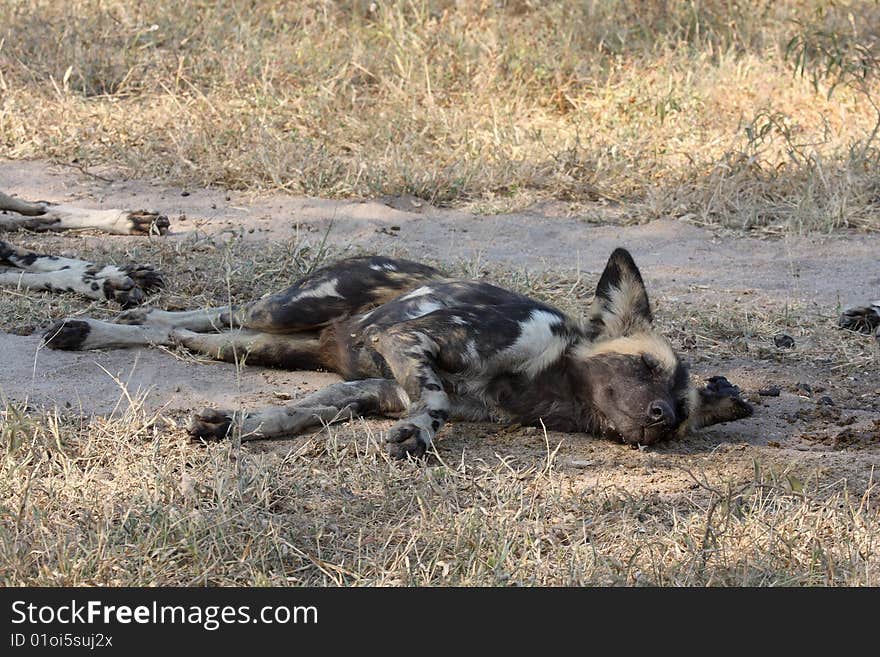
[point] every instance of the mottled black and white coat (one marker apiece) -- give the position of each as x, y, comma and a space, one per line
24, 269
414, 344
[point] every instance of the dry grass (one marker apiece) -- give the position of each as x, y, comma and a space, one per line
127, 499
750, 114
714, 111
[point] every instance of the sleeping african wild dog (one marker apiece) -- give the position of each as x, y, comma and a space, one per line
25, 269
414, 344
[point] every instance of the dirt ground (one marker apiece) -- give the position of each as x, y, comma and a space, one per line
723, 295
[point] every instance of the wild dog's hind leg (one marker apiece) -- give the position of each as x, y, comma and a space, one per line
53, 217
87, 333
127, 285
294, 351
332, 404
330, 293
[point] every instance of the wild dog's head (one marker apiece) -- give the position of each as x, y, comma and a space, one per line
634, 384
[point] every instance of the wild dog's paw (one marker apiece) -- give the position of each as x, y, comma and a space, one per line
68, 334
406, 438
720, 401
738, 408
131, 287
123, 290
145, 277
210, 424
863, 319
144, 222
128, 286
721, 386
736, 405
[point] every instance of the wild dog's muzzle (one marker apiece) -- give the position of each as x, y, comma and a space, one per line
660, 423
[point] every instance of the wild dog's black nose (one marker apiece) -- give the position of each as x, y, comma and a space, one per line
660, 411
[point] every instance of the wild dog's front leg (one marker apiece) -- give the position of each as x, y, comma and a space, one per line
202, 320
410, 355
332, 404
127, 285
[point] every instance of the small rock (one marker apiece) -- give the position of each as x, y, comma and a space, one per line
772, 391
825, 400
773, 443
804, 387
783, 341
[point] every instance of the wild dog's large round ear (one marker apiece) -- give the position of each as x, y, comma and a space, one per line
621, 305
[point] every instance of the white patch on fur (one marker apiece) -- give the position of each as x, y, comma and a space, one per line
435, 400
386, 267
455, 319
72, 278
537, 347
472, 353
418, 292
634, 345
73, 218
424, 308
326, 289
